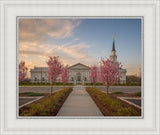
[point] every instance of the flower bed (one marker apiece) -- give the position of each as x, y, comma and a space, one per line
110, 105
48, 106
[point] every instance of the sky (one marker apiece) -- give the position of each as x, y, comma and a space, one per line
83, 41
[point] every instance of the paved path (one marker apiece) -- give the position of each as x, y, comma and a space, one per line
47, 89
79, 103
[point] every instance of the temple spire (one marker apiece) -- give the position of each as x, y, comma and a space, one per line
113, 47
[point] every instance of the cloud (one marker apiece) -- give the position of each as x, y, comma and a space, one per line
34, 48
68, 52
76, 39
38, 30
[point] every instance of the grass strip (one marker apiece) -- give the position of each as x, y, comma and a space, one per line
118, 92
32, 94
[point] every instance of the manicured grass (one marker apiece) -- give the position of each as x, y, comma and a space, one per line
118, 92
48, 106
111, 106
138, 94
32, 94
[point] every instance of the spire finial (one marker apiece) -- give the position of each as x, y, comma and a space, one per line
113, 47
113, 37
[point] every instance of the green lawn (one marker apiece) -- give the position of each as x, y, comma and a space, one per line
33, 94
118, 92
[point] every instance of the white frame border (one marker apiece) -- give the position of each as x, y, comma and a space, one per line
157, 13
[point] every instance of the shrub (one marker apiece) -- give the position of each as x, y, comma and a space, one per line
138, 94
115, 105
106, 101
118, 92
126, 112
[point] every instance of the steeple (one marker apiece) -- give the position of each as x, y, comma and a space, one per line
113, 56
113, 46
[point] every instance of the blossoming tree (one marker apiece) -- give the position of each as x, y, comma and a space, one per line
55, 69
109, 72
65, 75
22, 71
93, 75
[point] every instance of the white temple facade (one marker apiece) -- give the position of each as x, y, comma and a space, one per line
78, 73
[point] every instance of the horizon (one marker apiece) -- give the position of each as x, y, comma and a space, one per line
83, 41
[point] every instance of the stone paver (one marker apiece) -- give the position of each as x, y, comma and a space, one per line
79, 103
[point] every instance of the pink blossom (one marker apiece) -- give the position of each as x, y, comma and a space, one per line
55, 68
65, 75
109, 72
94, 74
22, 71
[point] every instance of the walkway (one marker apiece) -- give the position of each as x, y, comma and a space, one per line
79, 103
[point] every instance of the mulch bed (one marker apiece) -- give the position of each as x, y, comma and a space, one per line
106, 111
57, 107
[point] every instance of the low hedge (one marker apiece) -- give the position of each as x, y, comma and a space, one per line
111, 106
48, 106
138, 94
45, 84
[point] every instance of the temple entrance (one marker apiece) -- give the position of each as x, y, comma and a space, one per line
78, 79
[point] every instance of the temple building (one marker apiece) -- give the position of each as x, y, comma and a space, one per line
78, 73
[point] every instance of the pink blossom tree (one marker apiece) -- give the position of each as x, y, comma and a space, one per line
65, 75
22, 71
93, 75
55, 69
109, 72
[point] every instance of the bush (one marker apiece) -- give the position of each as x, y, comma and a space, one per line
126, 112
118, 92
138, 94
115, 105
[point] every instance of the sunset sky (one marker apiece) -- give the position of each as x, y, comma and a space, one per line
83, 41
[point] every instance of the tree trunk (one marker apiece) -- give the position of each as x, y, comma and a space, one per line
51, 88
107, 89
